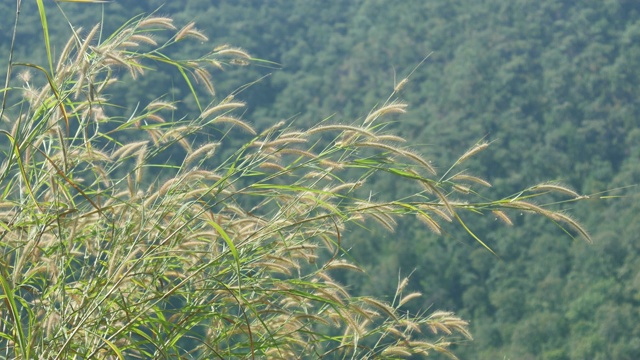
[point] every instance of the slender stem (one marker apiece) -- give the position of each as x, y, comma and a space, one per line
10, 65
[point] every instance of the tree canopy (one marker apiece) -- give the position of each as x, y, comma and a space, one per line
550, 84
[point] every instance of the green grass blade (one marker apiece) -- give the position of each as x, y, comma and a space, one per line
45, 31
12, 306
112, 346
162, 58
193, 91
229, 242
474, 235
54, 88
23, 171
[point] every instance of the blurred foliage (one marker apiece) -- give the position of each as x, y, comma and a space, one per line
552, 83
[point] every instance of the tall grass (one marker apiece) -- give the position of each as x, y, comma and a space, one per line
110, 251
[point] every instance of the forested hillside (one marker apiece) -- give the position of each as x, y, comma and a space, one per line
552, 84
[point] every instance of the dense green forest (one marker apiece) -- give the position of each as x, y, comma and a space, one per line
552, 84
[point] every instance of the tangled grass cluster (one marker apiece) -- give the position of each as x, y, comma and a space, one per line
110, 251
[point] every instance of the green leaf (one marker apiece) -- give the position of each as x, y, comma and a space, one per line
12, 307
45, 31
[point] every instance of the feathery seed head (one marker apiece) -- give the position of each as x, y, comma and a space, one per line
393, 108
474, 150
164, 22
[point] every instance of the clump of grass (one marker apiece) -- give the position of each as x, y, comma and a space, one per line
108, 252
